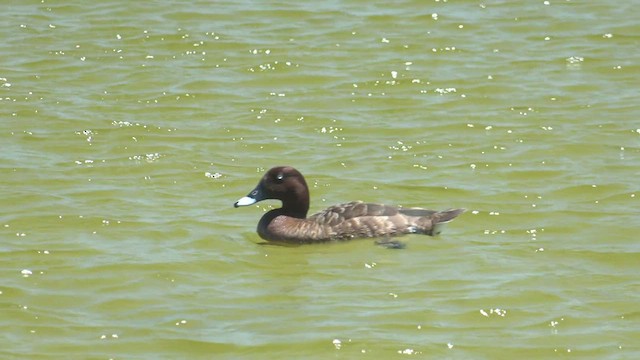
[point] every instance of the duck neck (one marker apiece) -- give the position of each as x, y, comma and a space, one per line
297, 208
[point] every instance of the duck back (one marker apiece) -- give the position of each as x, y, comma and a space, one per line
358, 219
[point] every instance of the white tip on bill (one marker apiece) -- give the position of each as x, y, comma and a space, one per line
245, 201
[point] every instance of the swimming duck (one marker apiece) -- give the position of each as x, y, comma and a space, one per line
347, 221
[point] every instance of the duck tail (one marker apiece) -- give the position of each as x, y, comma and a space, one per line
439, 219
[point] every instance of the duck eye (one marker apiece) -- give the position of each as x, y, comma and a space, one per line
279, 177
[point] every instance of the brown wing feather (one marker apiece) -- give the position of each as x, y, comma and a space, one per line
418, 212
358, 219
337, 214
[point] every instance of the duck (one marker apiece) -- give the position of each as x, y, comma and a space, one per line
351, 220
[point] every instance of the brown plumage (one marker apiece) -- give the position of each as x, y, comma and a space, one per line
339, 222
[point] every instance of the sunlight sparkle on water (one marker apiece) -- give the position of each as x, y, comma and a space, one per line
496, 311
337, 343
215, 175
408, 352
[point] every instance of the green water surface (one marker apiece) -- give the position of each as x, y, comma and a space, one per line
128, 129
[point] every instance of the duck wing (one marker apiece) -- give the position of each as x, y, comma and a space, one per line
359, 219
337, 214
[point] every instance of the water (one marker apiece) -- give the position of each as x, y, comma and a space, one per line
129, 129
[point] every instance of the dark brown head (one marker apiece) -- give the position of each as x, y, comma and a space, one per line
282, 183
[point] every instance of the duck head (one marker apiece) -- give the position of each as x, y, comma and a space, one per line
282, 183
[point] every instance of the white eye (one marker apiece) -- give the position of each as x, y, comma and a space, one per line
280, 177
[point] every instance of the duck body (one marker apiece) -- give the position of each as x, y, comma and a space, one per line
339, 222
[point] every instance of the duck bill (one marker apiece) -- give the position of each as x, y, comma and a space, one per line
245, 201
253, 197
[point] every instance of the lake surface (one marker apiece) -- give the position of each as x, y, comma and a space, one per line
129, 129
